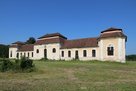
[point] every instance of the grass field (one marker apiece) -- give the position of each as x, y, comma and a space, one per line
73, 76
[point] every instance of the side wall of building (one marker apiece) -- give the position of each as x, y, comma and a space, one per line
122, 49
119, 49
89, 55
39, 51
28, 54
12, 52
53, 51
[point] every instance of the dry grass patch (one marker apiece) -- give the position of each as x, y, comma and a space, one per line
72, 76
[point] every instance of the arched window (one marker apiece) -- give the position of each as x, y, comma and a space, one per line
110, 50
37, 51
54, 50
93, 53
84, 53
69, 53
62, 53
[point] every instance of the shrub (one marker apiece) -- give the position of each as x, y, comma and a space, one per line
23, 65
6, 65
26, 63
17, 61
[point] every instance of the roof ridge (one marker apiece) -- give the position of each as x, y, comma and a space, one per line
111, 29
83, 38
52, 34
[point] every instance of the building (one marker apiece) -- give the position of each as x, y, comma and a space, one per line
110, 45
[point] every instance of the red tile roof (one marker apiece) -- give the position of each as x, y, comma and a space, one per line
18, 42
13, 46
48, 41
52, 35
27, 47
114, 34
111, 29
80, 43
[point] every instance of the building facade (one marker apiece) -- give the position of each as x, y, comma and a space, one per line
109, 46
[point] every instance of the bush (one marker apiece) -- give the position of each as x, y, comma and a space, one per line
17, 61
6, 65
26, 63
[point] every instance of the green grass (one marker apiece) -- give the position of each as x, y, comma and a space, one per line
73, 76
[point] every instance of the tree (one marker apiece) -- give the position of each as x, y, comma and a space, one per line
4, 50
31, 40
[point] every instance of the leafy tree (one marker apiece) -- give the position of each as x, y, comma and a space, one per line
31, 40
4, 51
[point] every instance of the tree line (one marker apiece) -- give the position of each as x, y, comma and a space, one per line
131, 57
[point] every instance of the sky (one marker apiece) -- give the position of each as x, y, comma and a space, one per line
21, 19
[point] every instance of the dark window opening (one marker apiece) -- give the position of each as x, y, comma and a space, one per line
24, 54
93, 53
76, 55
62, 53
11, 54
54, 50
32, 54
69, 53
28, 54
84, 53
37, 51
45, 53
21, 54
110, 51
17, 55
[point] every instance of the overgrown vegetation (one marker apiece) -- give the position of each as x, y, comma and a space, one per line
23, 65
131, 57
5, 65
26, 63
4, 51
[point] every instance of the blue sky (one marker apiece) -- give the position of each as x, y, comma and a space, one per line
21, 19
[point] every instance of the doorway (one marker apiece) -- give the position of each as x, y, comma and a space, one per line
76, 55
45, 53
